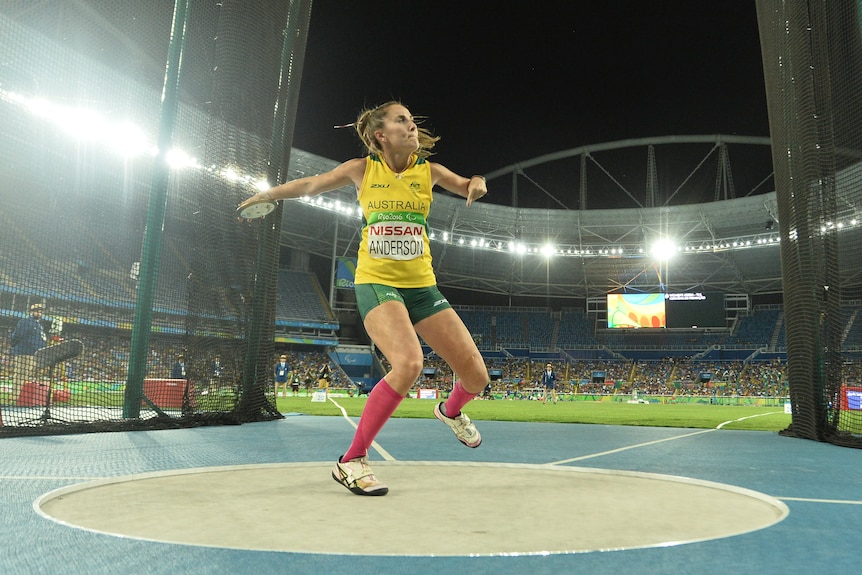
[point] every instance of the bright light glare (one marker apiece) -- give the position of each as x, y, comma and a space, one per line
130, 141
179, 159
663, 249
230, 174
123, 137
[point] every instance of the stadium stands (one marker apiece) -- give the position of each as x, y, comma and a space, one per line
85, 262
575, 330
300, 298
511, 329
478, 321
521, 336
756, 330
853, 331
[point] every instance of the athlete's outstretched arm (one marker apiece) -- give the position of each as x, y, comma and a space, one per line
471, 188
350, 172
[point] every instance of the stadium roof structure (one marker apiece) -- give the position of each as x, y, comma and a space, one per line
730, 244
606, 206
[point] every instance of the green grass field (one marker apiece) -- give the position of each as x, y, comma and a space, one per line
702, 416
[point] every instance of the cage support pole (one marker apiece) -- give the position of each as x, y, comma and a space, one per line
152, 242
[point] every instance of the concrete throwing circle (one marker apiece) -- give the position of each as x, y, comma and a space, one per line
432, 509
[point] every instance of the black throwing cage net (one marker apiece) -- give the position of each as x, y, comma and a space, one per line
156, 306
812, 54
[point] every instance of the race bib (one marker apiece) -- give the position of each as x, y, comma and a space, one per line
396, 235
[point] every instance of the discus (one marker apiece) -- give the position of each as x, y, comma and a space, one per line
256, 209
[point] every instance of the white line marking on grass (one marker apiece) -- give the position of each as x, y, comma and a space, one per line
618, 450
720, 425
383, 453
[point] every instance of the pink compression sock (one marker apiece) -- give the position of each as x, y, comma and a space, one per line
381, 404
457, 399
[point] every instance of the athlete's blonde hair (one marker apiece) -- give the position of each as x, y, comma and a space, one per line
371, 119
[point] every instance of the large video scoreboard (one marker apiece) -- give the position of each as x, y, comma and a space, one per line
691, 310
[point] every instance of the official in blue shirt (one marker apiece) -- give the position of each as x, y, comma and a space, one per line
549, 380
282, 375
27, 338
178, 370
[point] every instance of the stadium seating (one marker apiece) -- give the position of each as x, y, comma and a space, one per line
478, 322
300, 298
755, 330
511, 329
575, 330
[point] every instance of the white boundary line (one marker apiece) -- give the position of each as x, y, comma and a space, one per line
812, 500
39, 504
618, 450
377, 447
720, 425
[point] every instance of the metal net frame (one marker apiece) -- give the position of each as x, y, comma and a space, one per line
130, 132
812, 54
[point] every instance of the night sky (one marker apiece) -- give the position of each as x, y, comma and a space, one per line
506, 84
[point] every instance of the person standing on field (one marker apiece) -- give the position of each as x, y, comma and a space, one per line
549, 382
28, 337
282, 374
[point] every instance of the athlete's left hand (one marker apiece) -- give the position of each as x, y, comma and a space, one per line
476, 189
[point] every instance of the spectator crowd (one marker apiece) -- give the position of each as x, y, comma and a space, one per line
106, 359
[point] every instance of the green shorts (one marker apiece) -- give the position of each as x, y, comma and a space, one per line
420, 302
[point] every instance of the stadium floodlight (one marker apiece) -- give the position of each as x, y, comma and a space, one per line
547, 250
342, 208
663, 249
